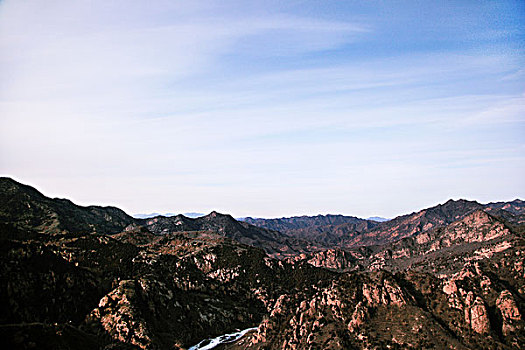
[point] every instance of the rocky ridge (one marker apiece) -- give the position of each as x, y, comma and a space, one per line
325, 230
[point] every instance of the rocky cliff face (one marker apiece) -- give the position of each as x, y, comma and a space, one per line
511, 318
335, 259
456, 280
473, 237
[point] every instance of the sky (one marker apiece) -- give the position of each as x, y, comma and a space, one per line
264, 108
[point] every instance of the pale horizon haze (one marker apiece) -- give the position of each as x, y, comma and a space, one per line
264, 108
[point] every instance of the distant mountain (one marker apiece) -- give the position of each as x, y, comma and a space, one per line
327, 230
193, 214
377, 218
152, 215
348, 231
298, 222
274, 242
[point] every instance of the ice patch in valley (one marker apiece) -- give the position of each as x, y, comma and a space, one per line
207, 344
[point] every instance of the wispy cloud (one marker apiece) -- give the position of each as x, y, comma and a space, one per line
237, 106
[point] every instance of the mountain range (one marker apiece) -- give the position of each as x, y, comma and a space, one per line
451, 276
152, 215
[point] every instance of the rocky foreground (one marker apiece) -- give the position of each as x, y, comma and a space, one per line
448, 277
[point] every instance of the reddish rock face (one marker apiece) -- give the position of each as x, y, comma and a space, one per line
383, 294
332, 259
358, 317
479, 319
476, 227
118, 314
512, 320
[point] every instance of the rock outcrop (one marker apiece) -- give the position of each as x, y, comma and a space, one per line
510, 314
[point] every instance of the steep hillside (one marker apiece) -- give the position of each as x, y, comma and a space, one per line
25, 210
436, 250
412, 224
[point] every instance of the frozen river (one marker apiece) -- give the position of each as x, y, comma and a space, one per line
223, 339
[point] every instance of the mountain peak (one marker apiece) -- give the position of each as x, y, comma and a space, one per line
214, 214
461, 201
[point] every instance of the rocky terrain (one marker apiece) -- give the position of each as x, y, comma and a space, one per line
27, 213
275, 243
348, 231
72, 277
325, 230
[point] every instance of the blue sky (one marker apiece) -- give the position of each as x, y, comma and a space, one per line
265, 108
